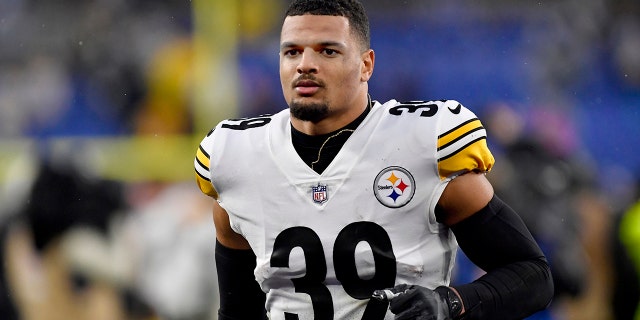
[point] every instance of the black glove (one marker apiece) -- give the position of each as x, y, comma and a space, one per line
419, 303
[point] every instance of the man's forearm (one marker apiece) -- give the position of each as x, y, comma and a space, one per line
240, 295
518, 281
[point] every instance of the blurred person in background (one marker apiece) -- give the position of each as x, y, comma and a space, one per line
294, 203
169, 226
43, 280
83, 247
541, 179
546, 177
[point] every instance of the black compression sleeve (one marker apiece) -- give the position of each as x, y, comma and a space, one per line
240, 295
518, 281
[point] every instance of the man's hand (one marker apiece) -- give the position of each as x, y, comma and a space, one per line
419, 303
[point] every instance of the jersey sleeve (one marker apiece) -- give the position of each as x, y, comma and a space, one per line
202, 166
462, 142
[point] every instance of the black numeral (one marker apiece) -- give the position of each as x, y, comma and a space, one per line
345, 266
311, 283
428, 109
246, 123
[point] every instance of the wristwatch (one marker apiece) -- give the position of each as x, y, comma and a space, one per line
452, 299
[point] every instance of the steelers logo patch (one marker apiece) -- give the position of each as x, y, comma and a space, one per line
394, 187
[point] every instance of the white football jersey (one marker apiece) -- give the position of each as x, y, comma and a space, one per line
324, 242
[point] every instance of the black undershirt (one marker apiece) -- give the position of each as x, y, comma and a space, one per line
308, 147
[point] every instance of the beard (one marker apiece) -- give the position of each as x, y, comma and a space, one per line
313, 112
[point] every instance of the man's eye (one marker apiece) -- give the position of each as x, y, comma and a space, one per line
330, 52
291, 52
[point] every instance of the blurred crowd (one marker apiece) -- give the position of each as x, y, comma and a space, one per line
556, 83
83, 67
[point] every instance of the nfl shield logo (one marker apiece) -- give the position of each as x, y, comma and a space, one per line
319, 193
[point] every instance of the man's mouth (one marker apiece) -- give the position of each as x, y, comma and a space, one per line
306, 87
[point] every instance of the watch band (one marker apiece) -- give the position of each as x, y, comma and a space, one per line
452, 299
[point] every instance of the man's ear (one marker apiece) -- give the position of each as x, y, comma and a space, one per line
368, 61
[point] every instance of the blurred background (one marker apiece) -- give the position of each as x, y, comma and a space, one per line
103, 104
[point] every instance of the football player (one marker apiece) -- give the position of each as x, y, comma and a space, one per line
342, 207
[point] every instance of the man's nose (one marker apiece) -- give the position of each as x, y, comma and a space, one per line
308, 62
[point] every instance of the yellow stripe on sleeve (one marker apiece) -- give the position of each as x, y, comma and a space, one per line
453, 135
201, 164
474, 157
206, 187
464, 148
203, 158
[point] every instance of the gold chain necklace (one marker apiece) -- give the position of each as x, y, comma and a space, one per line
325, 142
369, 106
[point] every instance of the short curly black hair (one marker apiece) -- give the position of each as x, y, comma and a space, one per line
353, 10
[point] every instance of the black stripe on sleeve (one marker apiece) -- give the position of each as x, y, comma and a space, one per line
462, 148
